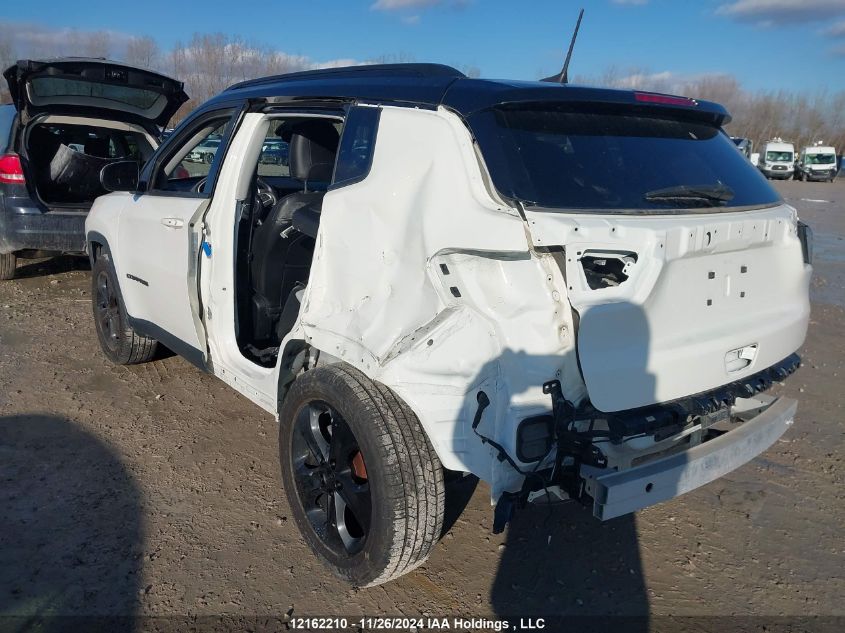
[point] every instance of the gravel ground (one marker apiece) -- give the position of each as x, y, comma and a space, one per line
154, 490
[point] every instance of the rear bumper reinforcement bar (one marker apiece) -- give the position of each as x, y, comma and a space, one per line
622, 492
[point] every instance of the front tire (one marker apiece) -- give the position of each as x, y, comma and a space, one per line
364, 484
120, 343
8, 264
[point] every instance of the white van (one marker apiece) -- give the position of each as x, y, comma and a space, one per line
817, 163
777, 159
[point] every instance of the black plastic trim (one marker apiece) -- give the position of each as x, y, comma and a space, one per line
143, 282
174, 344
648, 419
805, 234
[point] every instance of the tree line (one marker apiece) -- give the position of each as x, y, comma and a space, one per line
208, 63
802, 118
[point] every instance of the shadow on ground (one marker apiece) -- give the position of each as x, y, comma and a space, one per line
560, 562
70, 527
28, 268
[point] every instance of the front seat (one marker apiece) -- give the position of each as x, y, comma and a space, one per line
282, 260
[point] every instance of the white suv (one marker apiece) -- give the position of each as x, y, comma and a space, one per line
569, 292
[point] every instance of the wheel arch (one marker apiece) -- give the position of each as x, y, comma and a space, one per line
96, 243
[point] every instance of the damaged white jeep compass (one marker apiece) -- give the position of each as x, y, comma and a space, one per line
566, 291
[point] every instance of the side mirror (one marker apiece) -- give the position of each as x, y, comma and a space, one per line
120, 176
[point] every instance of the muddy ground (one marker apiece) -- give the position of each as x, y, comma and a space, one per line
155, 490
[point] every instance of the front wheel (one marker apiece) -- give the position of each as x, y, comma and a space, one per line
8, 264
120, 342
364, 484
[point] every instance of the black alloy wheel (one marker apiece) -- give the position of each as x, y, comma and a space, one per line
118, 339
331, 478
107, 312
363, 481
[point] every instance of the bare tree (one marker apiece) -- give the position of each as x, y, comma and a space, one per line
143, 52
210, 62
97, 44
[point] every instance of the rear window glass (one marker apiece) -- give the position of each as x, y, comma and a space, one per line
565, 159
46, 87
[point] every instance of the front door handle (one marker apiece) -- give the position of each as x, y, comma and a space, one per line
173, 223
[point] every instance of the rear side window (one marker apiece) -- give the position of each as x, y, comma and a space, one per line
7, 116
355, 154
567, 159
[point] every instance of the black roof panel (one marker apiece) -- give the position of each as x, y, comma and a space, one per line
362, 72
431, 85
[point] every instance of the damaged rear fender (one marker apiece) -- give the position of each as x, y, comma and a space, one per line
434, 290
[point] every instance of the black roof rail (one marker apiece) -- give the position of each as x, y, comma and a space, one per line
366, 71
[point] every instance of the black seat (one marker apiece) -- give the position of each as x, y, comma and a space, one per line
281, 258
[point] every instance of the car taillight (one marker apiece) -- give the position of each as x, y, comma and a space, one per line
11, 171
651, 97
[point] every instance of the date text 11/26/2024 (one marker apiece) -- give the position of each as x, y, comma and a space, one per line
415, 624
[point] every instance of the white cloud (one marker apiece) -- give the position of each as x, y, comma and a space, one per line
411, 19
780, 12
406, 5
664, 81
644, 80
394, 5
35, 40
837, 29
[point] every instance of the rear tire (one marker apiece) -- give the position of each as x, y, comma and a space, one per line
120, 343
394, 531
8, 264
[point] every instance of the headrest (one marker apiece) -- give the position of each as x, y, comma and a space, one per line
312, 141
98, 147
319, 176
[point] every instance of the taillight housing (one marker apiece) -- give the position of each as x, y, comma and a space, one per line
11, 170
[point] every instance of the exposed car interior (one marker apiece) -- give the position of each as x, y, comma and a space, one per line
276, 234
66, 158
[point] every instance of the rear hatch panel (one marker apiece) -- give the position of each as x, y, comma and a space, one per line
704, 300
94, 86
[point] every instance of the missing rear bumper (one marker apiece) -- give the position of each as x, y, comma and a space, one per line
618, 493
684, 444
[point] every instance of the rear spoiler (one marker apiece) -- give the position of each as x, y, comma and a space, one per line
468, 98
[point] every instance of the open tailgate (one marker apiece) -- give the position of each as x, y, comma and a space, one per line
93, 85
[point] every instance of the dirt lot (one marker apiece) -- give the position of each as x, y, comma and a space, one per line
154, 490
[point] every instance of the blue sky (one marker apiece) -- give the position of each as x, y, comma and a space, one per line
766, 44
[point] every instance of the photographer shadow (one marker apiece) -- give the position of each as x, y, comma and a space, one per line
559, 562
70, 530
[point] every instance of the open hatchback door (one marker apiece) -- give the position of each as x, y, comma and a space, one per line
94, 86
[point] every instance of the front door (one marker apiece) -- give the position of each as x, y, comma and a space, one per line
160, 237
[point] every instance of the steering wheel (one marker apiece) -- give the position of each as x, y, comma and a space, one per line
265, 194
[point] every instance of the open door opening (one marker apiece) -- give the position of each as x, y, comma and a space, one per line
276, 231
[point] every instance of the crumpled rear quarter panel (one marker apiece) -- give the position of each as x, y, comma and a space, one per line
379, 298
